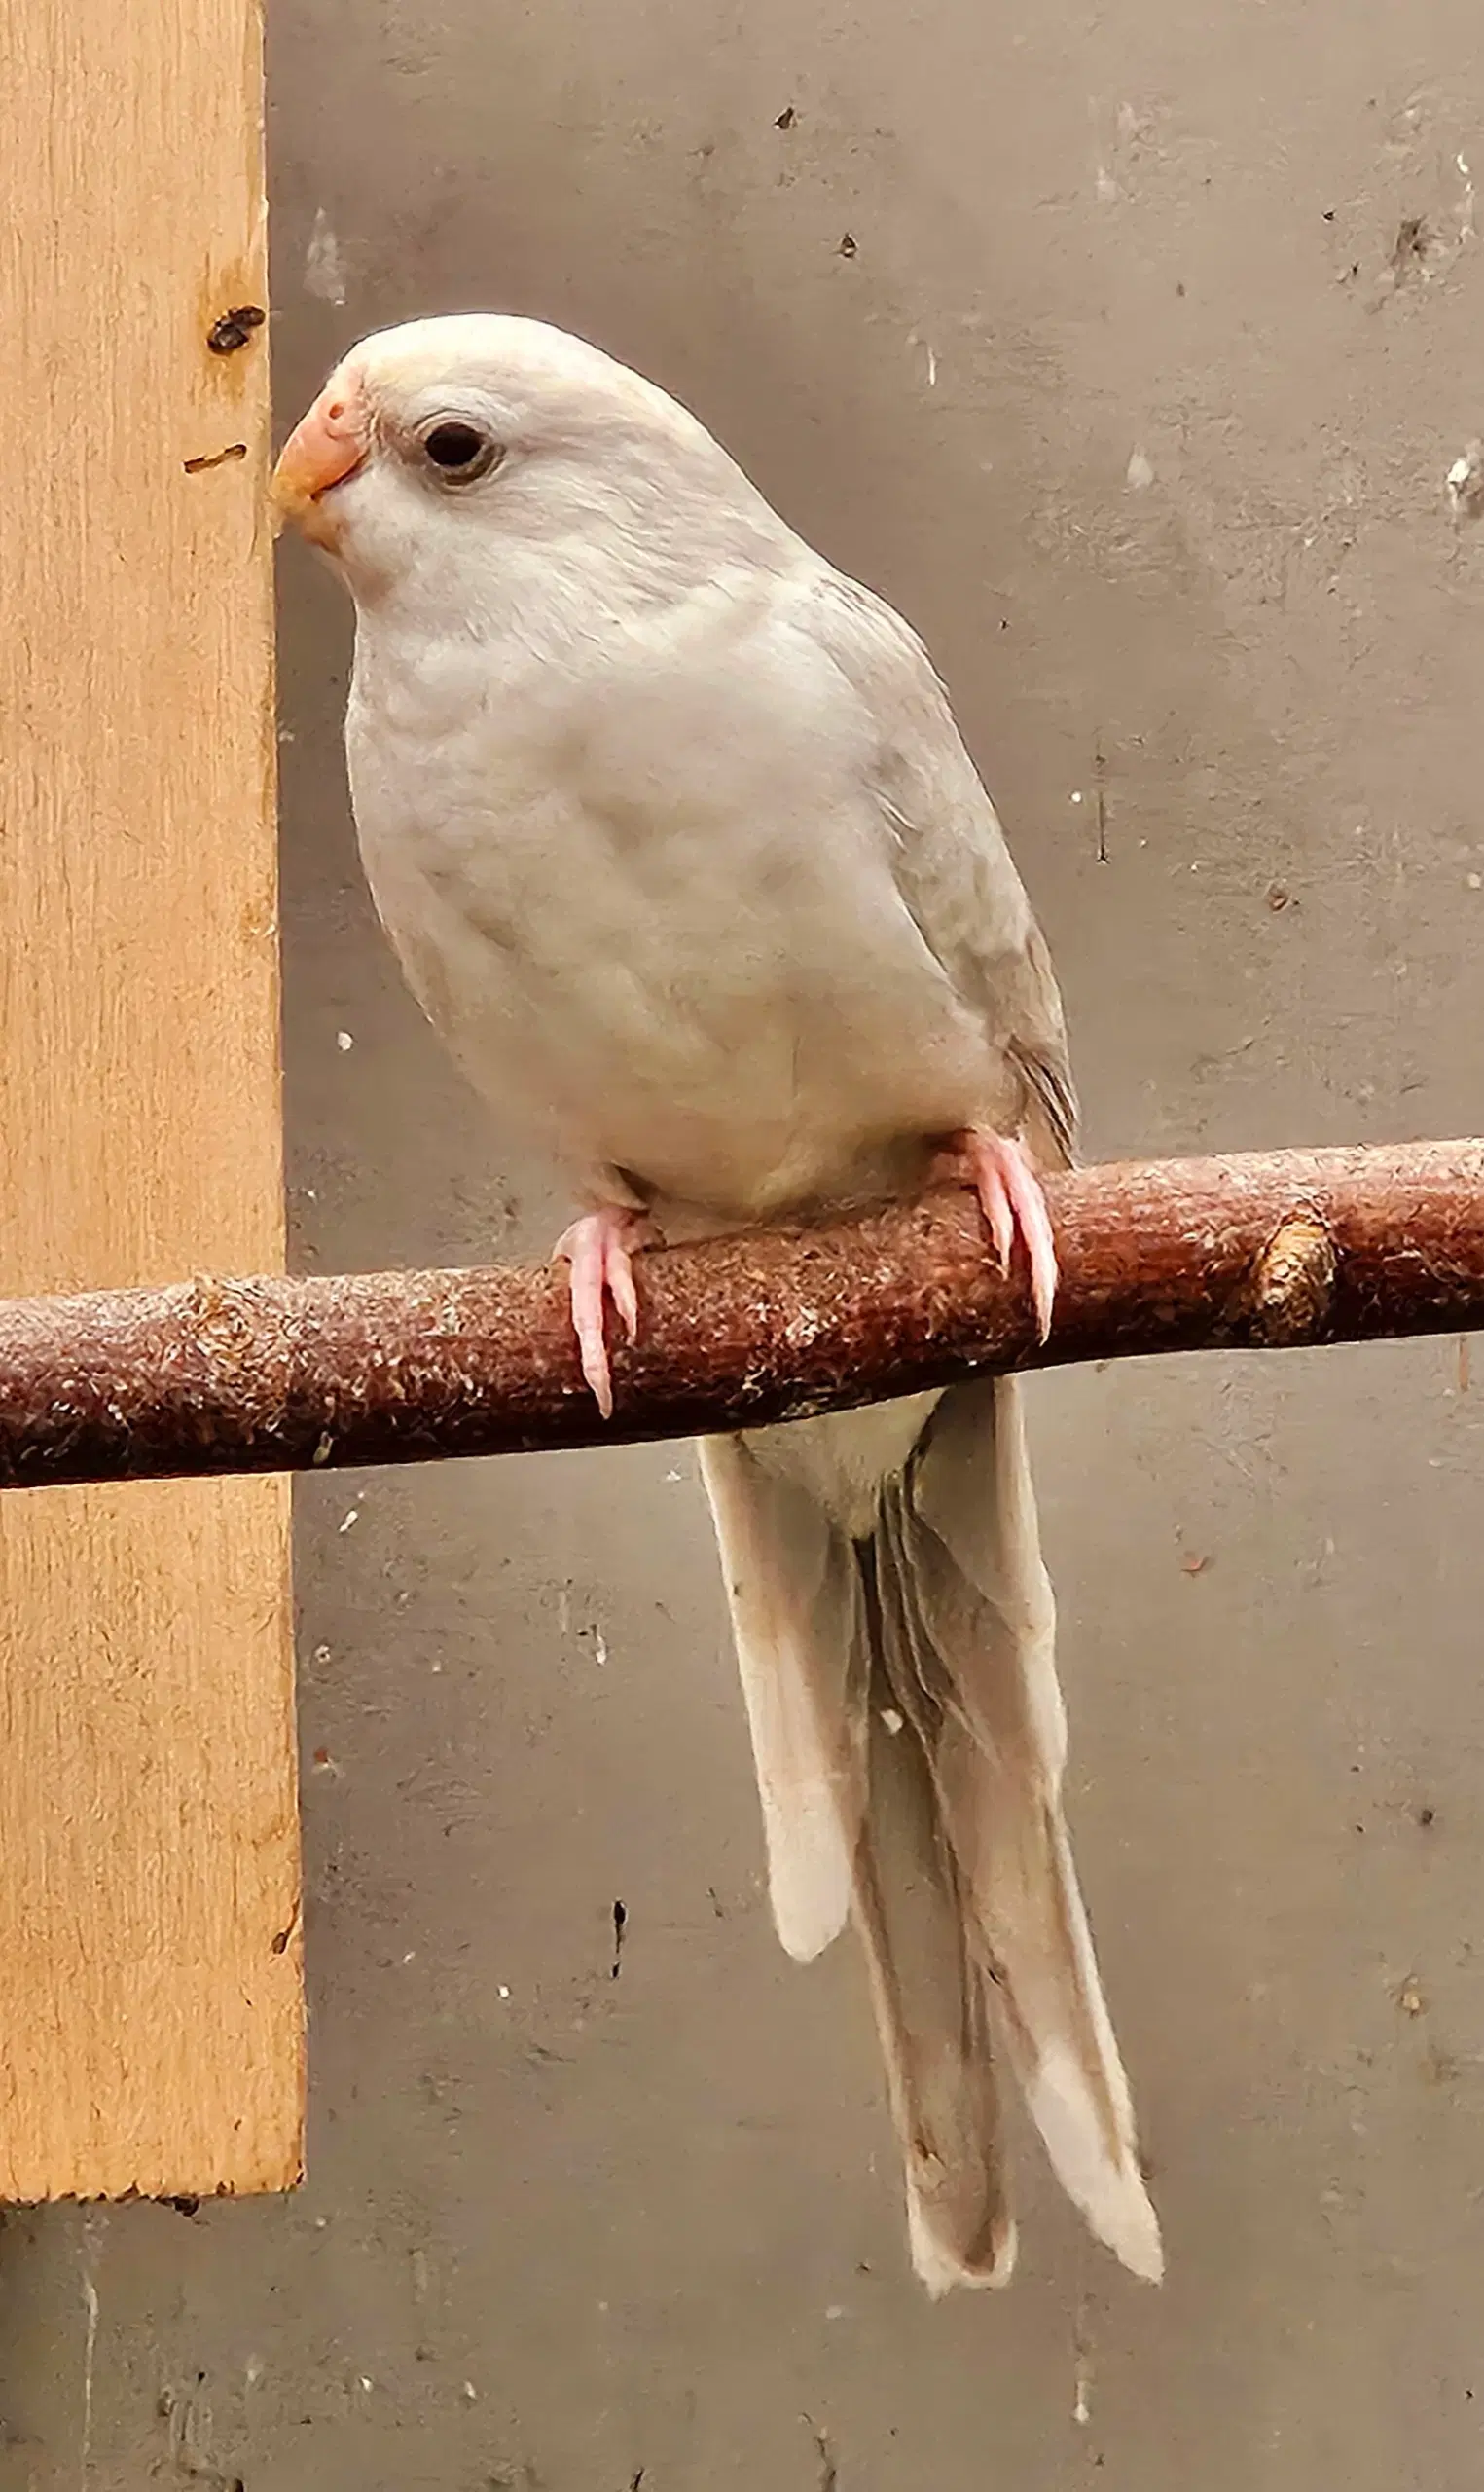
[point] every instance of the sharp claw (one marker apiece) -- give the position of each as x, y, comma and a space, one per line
1010, 1197
1029, 1205
621, 1289
593, 1349
582, 1244
597, 1374
598, 1249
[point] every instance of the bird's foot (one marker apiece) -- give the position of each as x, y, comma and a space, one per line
599, 1248
1010, 1199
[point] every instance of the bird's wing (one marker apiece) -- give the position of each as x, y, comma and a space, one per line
948, 853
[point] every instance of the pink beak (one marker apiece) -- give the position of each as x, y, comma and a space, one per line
324, 448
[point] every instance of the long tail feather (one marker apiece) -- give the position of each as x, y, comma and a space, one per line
896, 1641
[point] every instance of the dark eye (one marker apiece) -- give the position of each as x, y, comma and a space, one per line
459, 451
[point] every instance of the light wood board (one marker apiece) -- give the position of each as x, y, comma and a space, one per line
151, 2026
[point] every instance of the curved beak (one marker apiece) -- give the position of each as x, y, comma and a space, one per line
325, 446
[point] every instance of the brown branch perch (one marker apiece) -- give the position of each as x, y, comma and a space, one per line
1268, 1251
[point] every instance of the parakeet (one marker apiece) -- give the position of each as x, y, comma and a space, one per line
677, 842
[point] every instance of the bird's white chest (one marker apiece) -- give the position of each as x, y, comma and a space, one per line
649, 924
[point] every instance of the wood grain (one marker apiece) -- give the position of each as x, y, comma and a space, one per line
1268, 1250
150, 1981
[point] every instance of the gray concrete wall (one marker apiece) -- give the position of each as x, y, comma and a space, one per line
1138, 390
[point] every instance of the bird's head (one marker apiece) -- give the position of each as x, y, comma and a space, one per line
447, 452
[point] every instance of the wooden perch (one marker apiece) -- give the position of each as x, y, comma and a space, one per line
1269, 1251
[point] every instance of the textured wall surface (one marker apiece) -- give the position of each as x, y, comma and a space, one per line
1129, 351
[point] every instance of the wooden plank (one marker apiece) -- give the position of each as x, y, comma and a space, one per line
151, 2028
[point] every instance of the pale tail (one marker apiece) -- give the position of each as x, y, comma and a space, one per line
909, 1738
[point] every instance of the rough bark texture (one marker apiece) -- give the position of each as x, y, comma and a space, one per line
1260, 1252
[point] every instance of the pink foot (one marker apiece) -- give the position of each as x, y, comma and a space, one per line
598, 1247
1010, 1197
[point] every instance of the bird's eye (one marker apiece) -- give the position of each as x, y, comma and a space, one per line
460, 452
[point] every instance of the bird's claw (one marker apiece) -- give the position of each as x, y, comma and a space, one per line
599, 1248
1010, 1199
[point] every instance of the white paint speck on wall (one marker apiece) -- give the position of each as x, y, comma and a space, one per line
324, 262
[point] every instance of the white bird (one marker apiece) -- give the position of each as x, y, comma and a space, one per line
673, 830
